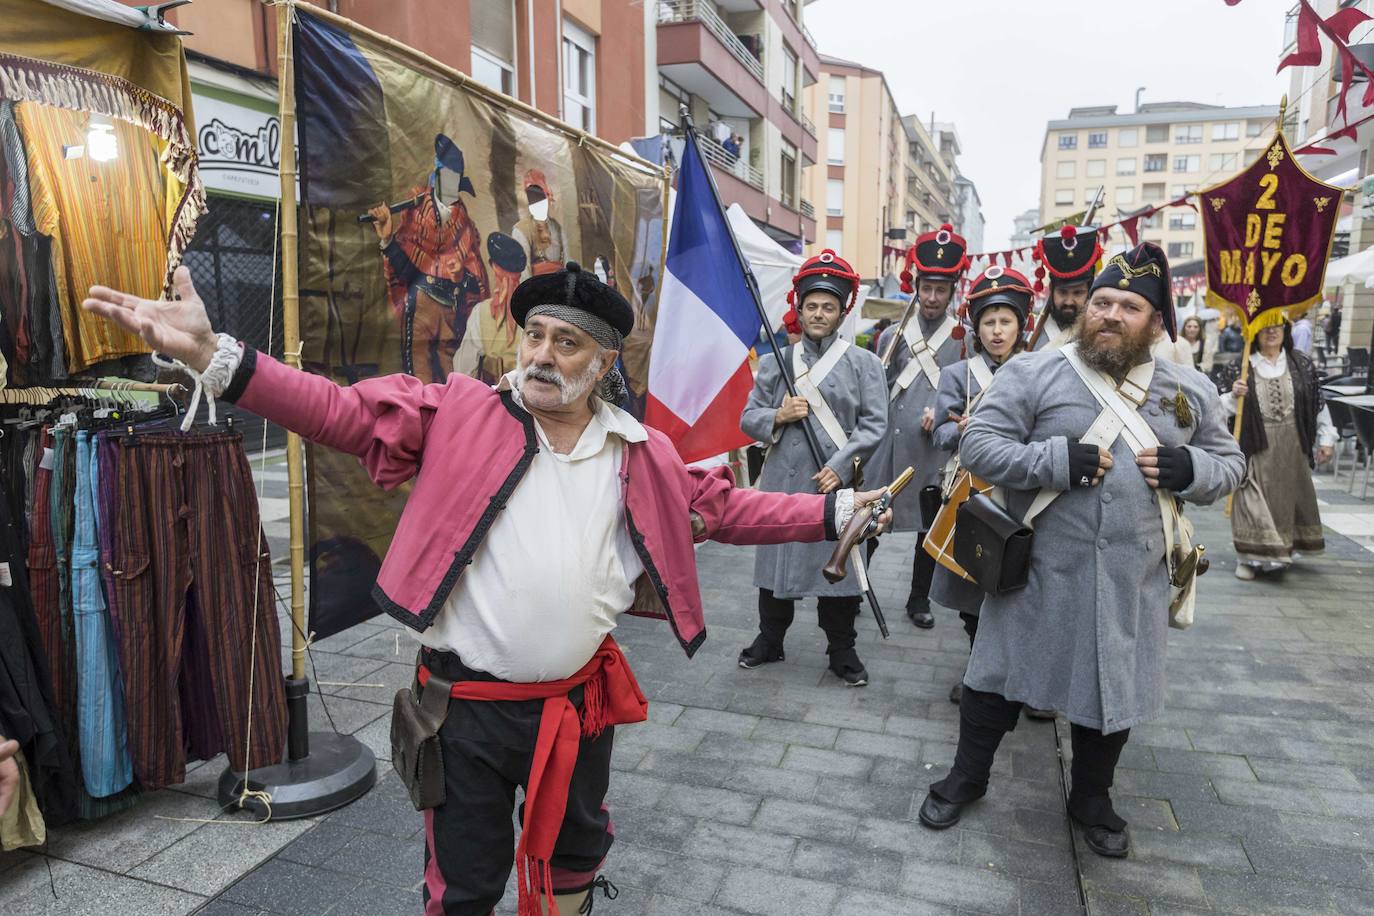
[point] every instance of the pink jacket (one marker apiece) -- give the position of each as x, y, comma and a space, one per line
394, 423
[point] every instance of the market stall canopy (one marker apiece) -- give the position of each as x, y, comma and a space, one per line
144, 18
1358, 267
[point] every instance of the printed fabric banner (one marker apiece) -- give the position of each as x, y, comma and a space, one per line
423, 206
1268, 236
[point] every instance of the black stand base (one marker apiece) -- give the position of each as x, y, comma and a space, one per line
339, 769
322, 770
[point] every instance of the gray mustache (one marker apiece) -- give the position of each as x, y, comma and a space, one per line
548, 376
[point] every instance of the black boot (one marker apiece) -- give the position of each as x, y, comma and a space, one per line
1095, 756
956, 692
836, 617
845, 664
760, 652
775, 616
918, 602
983, 719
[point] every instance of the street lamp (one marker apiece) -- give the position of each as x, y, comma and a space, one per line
1137, 98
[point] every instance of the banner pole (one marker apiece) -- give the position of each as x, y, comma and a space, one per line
1240, 402
291, 328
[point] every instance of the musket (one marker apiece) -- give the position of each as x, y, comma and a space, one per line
901, 329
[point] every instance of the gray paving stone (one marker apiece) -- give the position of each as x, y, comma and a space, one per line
372, 899
800, 819
222, 907
789, 732
320, 842
755, 891
719, 746
1303, 774
122, 841
714, 720
1101, 904
869, 744
1348, 833
1264, 895
1047, 897
1216, 851
774, 781
1179, 788
1163, 881
386, 809
1173, 760
867, 903
1308, 863
826, 763
738, 845
25, 891
1009, 856
960, 886
691, 879
863, 798
845, 865
291, 889
399, 863
207, 860
710, 804
1279, 798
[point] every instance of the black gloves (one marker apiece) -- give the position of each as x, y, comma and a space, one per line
1175, 468
1083, 464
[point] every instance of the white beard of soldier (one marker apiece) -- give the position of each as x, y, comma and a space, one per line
569, 391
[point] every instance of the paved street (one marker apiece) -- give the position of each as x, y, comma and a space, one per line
781, 792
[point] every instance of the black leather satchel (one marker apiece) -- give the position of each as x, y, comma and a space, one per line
415, 750
992, 545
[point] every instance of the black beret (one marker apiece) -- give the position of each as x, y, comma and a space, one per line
506, 253
576, 288
1144, 270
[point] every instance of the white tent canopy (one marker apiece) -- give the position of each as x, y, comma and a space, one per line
1358, 267
774, 266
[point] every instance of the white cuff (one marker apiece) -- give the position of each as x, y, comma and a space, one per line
844, 509
213, 382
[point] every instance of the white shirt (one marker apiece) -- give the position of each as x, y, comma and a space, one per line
1267, 368
557, 568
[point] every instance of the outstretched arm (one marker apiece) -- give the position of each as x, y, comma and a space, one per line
729, 514
383, 421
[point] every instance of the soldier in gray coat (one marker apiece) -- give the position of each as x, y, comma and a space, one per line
998, 304
1087, 635
1069, 257
847, 411
928, 343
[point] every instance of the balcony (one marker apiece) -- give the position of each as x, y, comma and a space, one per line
715, 67
806, 124
808, 210
718, 156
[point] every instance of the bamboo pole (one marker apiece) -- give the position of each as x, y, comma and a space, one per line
468, 83
291, 327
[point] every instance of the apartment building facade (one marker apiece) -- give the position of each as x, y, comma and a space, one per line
1145, 158
859, 180
743, 68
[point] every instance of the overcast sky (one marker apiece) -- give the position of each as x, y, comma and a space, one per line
1000, 69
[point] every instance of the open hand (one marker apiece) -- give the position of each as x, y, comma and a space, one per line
179, 327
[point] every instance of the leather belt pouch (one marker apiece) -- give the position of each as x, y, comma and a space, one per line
992, 545
417, 714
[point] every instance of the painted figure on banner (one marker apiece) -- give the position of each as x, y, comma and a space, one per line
490, 342
538, 232
930, 340
433, 264
1068, 260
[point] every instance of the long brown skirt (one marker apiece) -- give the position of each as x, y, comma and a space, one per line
1275, 510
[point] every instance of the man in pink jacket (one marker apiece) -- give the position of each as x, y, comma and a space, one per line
540, 512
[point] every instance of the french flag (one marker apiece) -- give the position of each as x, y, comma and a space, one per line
699, 376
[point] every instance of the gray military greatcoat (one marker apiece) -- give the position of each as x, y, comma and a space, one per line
906, 444
857, 395
1087, 635
1041, 340
957, 385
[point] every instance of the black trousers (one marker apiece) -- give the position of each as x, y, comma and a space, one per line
470, 838
970, 622
922, 572
835, 616
985, 717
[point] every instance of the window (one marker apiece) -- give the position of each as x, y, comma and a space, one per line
1096, 168
1183, 221
1125, 195
834, 197
834, 239
787, 175
579, 77
1254, 128
1181, 190
1221, 162
1068, 141
1156, 162
1157, 133
1152, 221
1127, 137
789, 79
1180, 249
1188, 133
1251, 155
834, 146
1066, 169
1187, 163
1125, 166
1153, 193
1097, 139
493, 45
1063, 197
837, 85
1230, 130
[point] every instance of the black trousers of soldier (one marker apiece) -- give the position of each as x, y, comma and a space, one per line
835, 616
922, 572
985, 717
488, 746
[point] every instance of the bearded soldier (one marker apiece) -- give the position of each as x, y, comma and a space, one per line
927, 344
1087, 634
1069, 258
842, 397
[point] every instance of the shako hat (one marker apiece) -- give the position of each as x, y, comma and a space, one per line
1070, 255
1143, 270
938, 255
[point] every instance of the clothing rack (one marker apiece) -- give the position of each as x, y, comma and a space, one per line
93, 388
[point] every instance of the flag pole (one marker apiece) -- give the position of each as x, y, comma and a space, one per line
689, 135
